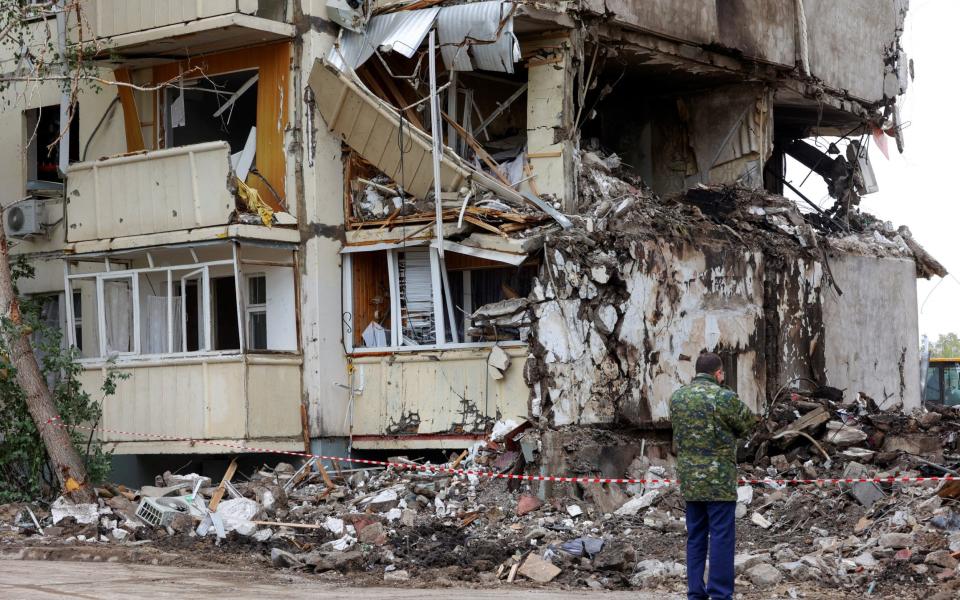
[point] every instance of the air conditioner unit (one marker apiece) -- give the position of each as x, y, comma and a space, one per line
348, 14
25, 218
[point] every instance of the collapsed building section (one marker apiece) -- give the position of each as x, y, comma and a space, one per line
482, 212
607, 205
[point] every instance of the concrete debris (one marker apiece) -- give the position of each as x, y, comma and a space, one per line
411, 524
538, 569
764, 575
81, 513
760, 521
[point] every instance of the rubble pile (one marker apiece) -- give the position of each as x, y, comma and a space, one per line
405, 522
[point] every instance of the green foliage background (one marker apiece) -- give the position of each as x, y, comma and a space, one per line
946, 346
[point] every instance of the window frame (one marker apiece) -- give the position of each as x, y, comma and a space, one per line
443, 306
253, 308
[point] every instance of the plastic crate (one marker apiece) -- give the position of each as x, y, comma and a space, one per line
158, 512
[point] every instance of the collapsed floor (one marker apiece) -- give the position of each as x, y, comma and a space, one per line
411, 526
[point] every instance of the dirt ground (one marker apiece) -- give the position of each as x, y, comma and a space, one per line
23, 580
37, 571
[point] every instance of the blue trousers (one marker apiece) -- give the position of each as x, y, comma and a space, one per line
710, 527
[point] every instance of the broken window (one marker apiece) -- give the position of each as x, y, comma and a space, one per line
441, 302
77, 321
43, 148
207, 109
951, 385
240, 97
931, 391
176, 301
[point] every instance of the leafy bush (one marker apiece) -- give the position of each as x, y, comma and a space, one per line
25, 469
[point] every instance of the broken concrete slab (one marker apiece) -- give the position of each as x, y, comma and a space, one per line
539, 569
764, 576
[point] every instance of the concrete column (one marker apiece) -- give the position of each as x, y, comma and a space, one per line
550, 120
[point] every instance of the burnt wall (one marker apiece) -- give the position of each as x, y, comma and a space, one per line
617, 326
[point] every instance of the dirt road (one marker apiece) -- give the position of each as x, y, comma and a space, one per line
43, 580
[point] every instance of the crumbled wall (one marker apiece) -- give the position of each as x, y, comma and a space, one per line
619, 320
618, 328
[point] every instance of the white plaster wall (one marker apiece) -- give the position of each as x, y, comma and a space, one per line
871, 332
325, 376
13, 131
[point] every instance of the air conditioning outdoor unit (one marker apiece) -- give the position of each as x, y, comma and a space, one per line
25, 218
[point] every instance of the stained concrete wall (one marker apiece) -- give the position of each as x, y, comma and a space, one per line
617, 334
617, 331
846, 40
847, 43
871, 332
326, 380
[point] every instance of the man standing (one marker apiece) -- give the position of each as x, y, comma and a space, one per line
707, 420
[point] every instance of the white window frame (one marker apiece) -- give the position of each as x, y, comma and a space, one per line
182, 273
440, 287
251, 308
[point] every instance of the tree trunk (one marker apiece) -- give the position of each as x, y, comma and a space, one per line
64, 456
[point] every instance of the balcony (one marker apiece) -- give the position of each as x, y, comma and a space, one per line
431, 399
234, 399
148, 30
150, 192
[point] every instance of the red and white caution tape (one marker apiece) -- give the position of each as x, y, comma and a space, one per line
493, 475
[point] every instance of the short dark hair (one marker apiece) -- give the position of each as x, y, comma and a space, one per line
709, 363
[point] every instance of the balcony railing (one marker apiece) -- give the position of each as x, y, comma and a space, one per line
119, 17
212, 398
150, 192
453, 395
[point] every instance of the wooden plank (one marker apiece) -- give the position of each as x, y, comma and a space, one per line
131, 118
475, 145
812, 419
292, 525
483, 225
218, 493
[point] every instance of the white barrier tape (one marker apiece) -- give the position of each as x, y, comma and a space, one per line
493, 475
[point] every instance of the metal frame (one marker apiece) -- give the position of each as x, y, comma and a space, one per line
197, 270
441, 289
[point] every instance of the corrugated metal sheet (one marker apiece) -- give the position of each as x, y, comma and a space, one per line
478, 35
472, 36
401, 32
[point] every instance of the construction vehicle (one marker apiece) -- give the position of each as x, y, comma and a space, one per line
942, 383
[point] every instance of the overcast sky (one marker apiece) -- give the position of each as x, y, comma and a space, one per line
916, 187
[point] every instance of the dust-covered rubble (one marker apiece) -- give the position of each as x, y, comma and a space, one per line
408, 525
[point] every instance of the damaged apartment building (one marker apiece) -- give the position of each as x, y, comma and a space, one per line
388, 225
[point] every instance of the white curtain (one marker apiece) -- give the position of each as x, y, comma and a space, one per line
155, 319
118, 306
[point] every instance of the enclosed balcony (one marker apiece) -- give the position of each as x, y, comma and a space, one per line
150, 192
208, 335
147, 31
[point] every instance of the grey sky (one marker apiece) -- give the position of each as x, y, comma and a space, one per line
915, 187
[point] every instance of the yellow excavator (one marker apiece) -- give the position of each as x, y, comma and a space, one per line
942, 383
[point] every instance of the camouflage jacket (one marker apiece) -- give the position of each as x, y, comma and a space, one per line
707, 420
